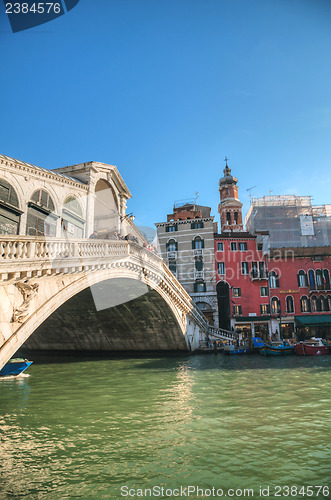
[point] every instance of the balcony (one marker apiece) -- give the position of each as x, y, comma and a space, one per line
320, 287
199, 275
197, 252
256, 275
172, 254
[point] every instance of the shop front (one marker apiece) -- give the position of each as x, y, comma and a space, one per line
253, 326
288, 330
313, 326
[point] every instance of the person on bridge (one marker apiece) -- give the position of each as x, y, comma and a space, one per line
93, 236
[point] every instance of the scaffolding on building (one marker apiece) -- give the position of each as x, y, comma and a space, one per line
291, 221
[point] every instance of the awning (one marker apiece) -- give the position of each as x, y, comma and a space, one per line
321, 319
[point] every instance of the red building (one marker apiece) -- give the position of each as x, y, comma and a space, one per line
267, 292
241, 268
300, 291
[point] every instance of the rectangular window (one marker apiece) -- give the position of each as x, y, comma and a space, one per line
264, 291
221, 268
265, 309
220, 246
197, 225
233, 246
254, 270
237, 310
244, 268
243, 246
262, 270
236, 292
260, 247
171, 229
199, 286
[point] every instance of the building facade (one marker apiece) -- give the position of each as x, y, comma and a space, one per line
299, 262
71, 202
186, 242
240, 267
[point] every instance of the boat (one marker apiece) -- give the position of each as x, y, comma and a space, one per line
312, 347
15, 366
248, 346
231, 349
277, 349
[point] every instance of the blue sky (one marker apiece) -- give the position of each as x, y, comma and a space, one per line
164, 89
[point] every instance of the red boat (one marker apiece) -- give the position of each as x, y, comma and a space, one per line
313, 347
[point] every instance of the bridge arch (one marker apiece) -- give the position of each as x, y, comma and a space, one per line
55, 291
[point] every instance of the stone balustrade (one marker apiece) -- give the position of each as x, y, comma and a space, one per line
222, 334
28, 256
22, 256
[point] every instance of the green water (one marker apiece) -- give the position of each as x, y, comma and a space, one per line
85, 428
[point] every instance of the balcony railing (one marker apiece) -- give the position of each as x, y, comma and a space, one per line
199, 275
172, 254
325, 287
197, 251
256, 275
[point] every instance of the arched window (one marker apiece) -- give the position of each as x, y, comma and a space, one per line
41, 220
275, 305
328, 303
228, 218
42, 198
72, 222
289, 304
302, 279
319, 279
105, 208
326, 279
315, 304
203, 306
9, 209
236, 217
274, 280
305, 304
198, 243
323, 302
311, 278
172, 246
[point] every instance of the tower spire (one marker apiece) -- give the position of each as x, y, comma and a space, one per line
227, 170
230, 205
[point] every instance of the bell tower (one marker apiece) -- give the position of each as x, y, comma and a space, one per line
230, 208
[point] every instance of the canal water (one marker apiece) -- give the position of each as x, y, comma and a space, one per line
97, 428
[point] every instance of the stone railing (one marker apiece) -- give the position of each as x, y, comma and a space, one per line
28, 256
36, 256
220, 333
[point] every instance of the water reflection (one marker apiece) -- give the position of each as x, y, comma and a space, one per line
83, 429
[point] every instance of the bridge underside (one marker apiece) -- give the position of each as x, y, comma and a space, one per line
114, 315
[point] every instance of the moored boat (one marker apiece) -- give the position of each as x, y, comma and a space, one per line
231, 349
313, 347
277, 349
15, 366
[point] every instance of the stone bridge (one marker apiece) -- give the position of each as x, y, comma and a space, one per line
92, 295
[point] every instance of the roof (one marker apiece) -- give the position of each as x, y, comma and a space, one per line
234, 234
30, 165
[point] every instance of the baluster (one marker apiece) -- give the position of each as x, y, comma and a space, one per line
6, 250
